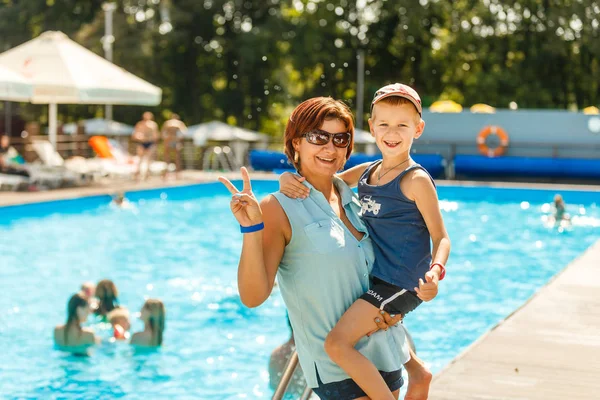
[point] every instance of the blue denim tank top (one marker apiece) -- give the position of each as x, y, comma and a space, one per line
401, 240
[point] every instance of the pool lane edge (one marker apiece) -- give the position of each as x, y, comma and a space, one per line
192, 177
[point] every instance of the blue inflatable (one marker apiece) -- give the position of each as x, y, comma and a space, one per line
262, 160
470, 165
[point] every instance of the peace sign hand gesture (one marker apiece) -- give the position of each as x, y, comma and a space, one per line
244, 205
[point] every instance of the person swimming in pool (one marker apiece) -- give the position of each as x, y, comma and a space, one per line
278, 362
560, 211
72, 336
146, 134
153, 315
119, 319
107, 294
88, 289
119, 199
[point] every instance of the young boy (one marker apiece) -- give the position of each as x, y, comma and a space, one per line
401, 211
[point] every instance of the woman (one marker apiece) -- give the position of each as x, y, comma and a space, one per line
319, 248
153, 315
107, 294
71, 335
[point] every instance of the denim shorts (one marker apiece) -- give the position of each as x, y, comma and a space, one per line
348, 390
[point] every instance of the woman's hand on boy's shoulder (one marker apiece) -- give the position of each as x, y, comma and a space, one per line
291, 186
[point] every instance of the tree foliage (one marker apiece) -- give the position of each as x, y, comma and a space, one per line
248, 62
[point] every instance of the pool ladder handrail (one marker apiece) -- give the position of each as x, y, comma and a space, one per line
219, 158
286, 379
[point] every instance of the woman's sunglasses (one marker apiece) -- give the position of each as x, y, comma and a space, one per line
321, 138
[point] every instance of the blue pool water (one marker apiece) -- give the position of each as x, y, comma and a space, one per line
182, 245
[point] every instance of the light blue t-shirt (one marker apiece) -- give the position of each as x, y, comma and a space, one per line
324, 269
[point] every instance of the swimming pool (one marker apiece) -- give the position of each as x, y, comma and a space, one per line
182, 245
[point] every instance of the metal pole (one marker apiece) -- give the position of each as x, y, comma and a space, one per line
7, 118
286, 378
360, 88
107, 43
52, 123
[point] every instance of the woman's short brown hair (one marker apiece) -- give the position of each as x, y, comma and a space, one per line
311, 114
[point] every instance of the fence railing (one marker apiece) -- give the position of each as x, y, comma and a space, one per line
211, 156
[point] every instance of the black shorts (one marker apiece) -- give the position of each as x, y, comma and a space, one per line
349, 390
391, 298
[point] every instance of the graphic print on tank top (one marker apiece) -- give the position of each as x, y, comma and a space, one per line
368, 204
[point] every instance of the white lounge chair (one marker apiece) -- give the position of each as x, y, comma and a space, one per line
122, 156
13, 182
55, 171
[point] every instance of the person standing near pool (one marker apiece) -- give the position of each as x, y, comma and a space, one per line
146, 134
172, 133
72, 336
278, 362
320, 250
401, 210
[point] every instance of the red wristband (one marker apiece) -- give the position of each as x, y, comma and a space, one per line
443, 273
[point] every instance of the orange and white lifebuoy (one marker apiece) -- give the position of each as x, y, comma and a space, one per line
492, 130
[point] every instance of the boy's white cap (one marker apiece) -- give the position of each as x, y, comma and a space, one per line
400, 90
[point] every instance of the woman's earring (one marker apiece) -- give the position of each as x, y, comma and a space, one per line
296, 157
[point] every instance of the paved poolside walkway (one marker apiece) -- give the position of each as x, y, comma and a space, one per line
548, 349
111, 186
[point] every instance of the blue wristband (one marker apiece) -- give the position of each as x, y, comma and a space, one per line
252, 228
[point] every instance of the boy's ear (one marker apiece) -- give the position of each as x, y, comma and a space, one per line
371, 126
420, 129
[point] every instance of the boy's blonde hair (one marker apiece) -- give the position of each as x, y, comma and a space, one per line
397, 101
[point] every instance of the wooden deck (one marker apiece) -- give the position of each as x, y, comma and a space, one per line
548, 349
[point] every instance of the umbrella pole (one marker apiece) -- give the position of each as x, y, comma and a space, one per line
52, 116
7, 119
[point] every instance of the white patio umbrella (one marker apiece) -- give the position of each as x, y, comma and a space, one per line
222, 132
363, 137
14, 87
238, 138
64, 72
100, 126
